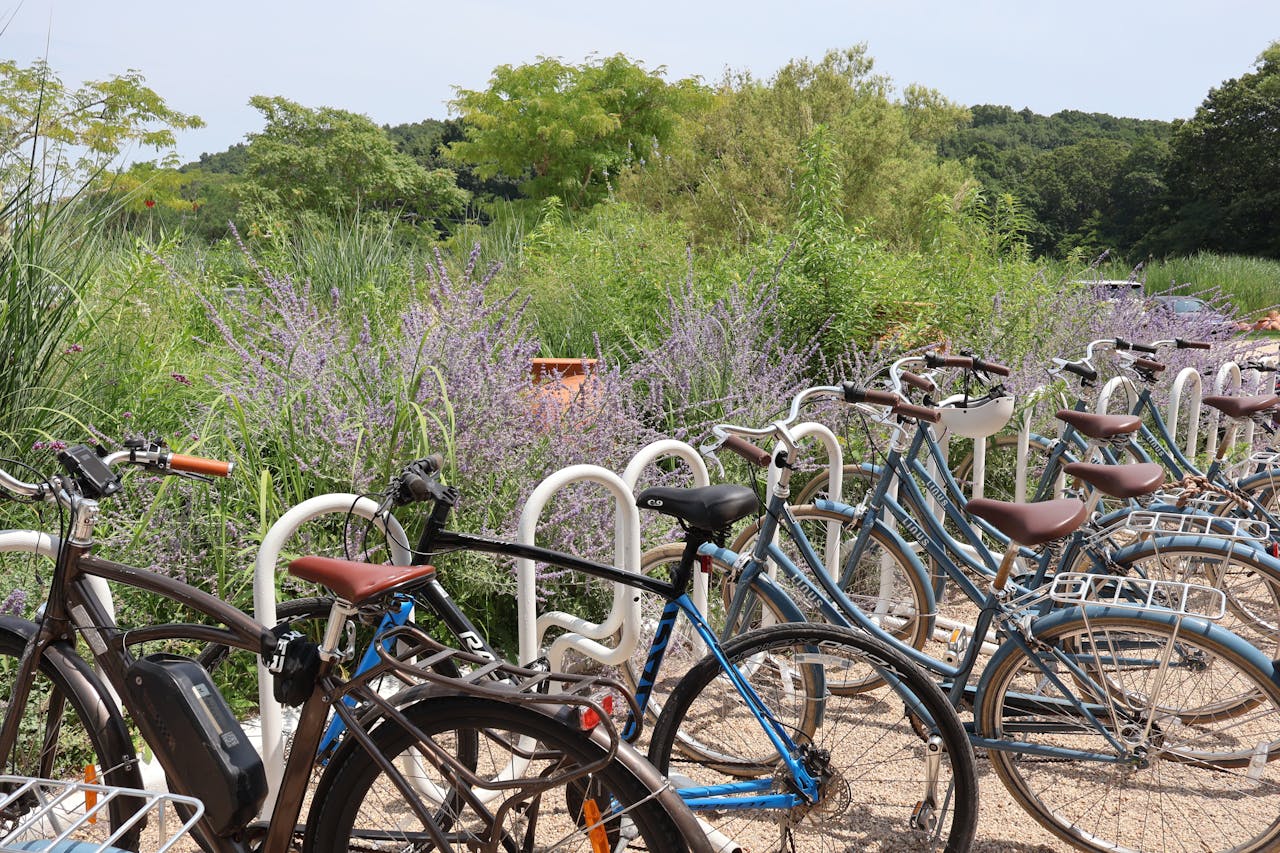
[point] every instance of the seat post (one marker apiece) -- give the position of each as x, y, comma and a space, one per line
1006, 566
682, 577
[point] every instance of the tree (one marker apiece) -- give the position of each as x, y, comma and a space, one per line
730, 172
1069, 188
70, 133
335, 162
1224, 171
564, 129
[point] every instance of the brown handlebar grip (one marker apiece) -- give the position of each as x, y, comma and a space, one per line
747, 451
200, 465
915, 380
991, 367
1181, 344
920, 413
880, 398
954, 361
1149, 364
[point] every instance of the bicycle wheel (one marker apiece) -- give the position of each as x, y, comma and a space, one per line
684, 647
356, 806
886, 582
1154, 686
1248, 578
1000, 478
66, 732
857, 482
868, 750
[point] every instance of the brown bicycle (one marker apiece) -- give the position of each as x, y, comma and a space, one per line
480, 755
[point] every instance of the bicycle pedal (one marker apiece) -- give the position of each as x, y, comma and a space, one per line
957, 644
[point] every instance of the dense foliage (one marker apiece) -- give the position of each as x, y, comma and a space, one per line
714, 249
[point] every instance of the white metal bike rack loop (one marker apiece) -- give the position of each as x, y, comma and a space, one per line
835, 481
1187, 384
264, 606
582, 635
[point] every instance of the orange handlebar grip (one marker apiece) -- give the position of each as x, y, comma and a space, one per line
200, 465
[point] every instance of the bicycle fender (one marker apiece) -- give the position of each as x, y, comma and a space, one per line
81, 678
1256, 554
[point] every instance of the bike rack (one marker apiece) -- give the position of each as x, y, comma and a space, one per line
1190, 384
583, 635
271, 718
1229, 380
835, 481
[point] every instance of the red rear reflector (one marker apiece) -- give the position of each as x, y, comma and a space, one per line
590, 719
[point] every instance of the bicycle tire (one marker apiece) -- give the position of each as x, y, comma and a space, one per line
1192, 775
341, 807
58, 745
876, 748
906, 613
1249, 578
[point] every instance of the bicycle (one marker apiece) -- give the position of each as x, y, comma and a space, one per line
1131, 693
791, 765
441, 739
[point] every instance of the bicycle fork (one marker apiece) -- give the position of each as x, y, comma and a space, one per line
924, 816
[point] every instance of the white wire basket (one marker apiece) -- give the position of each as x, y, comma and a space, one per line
1133, 593
76, 816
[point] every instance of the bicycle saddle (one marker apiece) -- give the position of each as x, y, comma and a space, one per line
1031, 524
1119, 481
356, 582
705, 508
1241, 407
1100, 426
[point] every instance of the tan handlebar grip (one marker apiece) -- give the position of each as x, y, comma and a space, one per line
915, 380
920, 413
200, 465
747, 451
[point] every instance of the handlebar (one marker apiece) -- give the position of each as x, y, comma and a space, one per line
967, 362
92, 472
921, 383
1122, 344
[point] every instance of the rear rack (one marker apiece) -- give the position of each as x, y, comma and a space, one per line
1132, 593
1219, 527
416, 659
73, 811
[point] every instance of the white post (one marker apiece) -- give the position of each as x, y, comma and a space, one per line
698, 468
264, 606
530, 625
1227, 381
1189, 383
835, 480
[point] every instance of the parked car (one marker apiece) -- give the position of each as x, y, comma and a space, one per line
1185, 306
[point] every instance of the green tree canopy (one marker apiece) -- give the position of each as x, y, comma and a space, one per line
1224, 171
564, 129
80, 129
332, 161
731, 170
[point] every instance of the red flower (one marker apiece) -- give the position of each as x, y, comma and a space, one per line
150, 202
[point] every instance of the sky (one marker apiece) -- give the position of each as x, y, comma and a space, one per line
401, 61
